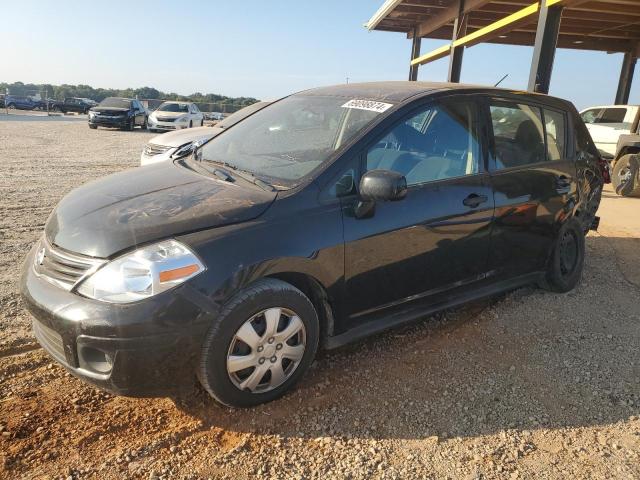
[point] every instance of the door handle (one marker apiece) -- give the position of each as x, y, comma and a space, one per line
473, 200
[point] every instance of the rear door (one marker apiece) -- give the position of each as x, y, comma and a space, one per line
437, 237
534, 180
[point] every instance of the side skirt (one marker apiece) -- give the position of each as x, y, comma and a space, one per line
418, 312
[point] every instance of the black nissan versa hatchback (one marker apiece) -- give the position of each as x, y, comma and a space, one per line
329, 215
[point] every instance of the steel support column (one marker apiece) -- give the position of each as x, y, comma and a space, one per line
544, 50
415, 53
626, 77
455, 58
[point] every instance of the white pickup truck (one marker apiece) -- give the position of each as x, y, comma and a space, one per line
607, 123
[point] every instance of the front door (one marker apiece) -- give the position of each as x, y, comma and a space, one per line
437, 237
534, 181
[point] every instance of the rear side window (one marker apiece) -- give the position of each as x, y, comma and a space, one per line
518, 134
554, 123
439, 142
612, 115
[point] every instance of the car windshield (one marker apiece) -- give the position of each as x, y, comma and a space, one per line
115, 102
241, 114
287, 140
174, 107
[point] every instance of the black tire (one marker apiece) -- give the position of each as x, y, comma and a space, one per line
144, 124
132, 124
57, 109
263, 294
202, 122
93, 127
11, 106
190, 123
564, 270
626, 176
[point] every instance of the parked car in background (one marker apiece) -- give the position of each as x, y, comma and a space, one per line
607, 123
327, 216
625, 165
215, 116
180, 143
20, 102
70, 104
175, 115
125, 113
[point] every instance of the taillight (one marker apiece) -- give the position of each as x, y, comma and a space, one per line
604, 169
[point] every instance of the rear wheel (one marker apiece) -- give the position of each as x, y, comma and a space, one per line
567, 259
626, 176
93, 127
11, 106
263, 342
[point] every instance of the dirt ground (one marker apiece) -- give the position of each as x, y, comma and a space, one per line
527, 385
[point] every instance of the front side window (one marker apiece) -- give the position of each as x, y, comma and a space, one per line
518, 134
439, 142
590, 116
554, 123
287, 140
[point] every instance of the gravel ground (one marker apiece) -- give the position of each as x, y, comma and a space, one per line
529, 384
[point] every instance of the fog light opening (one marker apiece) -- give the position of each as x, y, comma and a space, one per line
95, 360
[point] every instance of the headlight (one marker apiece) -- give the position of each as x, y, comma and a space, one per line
92, 114
185, 149
142, 273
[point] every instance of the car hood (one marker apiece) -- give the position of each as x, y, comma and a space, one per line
108, 109
134, 207
180, 137
161, 115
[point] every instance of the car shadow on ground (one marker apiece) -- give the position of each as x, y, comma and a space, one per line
526, 360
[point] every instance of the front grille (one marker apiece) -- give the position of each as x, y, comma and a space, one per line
62, 268
50, 340
152, 149
167, 119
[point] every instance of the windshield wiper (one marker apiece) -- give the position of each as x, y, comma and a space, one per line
245, 174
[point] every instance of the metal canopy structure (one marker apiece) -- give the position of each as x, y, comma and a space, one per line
601, 25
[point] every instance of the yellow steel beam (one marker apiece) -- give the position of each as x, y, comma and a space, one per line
482, 33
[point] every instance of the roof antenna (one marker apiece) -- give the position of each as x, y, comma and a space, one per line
500, 81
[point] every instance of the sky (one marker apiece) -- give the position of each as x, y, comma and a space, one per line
256, 49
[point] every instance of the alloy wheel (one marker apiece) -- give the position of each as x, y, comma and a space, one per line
624, 175
266, 350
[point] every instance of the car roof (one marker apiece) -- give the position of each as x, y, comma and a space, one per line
404, 91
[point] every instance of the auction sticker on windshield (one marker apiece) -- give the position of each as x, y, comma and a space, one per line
368, 105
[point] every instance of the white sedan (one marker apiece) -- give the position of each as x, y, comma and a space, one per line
172, 145
175, 116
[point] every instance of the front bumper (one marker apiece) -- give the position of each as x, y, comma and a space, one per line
109, 121
146, 348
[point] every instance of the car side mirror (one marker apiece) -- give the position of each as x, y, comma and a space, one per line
383, 185
379, 186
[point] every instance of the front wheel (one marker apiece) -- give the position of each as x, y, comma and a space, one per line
131, 125
264, 340
567, 258
11, 106
626, 176
93, 127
